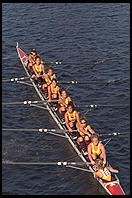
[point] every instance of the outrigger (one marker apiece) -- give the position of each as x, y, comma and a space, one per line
113, 187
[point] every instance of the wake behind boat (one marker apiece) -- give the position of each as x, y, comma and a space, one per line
112, 187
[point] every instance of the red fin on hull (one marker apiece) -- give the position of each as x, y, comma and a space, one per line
115, 189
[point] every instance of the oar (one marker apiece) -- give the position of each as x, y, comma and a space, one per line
102, 105
92, 81
114, 134
81, 82
48, 131
76, 63
15, 79
26, 102
60, 163
36, 130
60, 130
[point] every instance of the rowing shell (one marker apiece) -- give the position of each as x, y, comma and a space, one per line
113, 187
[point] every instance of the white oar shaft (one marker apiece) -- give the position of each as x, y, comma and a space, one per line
60, 163
32, 130
26, 102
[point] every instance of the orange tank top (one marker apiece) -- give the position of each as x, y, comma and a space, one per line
73, 117
54, 90
67, 100
83, 134
98, 151
39, 68
47, 80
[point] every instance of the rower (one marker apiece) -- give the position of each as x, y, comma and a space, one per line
85, 132
63, 102
71, 118
53, 92
96, 150
48, 77
103, 172
38, 69
31, 60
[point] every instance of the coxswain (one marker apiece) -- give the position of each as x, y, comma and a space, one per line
63, 102
71, 117
96, 150
85, 132
48, 77
53, 92
103, 172
39, 70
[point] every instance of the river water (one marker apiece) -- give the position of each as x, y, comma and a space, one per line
69, 32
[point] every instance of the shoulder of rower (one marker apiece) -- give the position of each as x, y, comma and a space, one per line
69, 97
66, 115
99, 173
102, 146
90, 145
76, 112
88, 126
46, 75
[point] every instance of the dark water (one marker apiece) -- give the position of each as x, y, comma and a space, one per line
69, 32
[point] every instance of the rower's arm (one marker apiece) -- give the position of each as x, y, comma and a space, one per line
97, 174
90, 129
61, 101
103, 153
54, 76
83, 130
69, 98
43, 68
49, 94
89, 154
112, 169
59, 92
78, 119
